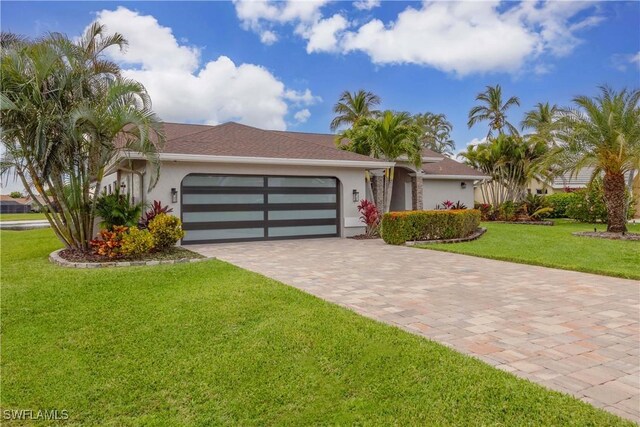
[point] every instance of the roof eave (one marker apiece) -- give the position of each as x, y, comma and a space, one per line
465, 177
367, 164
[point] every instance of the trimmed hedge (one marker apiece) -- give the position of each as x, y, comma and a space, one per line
559, 202
400, 227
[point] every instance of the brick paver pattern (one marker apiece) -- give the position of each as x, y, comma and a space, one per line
573, 332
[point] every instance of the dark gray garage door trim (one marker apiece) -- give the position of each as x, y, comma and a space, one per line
265, 190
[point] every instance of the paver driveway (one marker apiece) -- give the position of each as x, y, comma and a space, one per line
574, 332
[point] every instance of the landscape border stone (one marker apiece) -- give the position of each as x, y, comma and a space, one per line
55, 258
479, 232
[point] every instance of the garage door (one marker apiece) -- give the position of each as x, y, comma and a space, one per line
232, 208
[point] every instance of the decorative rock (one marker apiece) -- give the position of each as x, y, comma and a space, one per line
55, 258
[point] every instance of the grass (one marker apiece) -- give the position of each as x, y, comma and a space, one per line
21, 216
210, 343
554, 247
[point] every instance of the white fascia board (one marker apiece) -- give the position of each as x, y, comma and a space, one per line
267, 160
456, 177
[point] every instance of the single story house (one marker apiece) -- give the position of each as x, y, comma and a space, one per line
9, 204
233, 182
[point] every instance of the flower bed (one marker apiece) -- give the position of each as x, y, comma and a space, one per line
608, 235
400, 227
75, 259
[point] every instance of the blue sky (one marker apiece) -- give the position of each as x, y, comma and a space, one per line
283, 65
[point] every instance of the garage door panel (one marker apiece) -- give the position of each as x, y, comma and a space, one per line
298, 214
222, 199
207, 236
256, 190
308, 230
292, 181
223, 181
219, 208
229, 207
223, 216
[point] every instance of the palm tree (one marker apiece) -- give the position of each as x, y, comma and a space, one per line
436, 131
492, 109
511, 162
603, 133
542, 120
67, 114
389, 137
353, 107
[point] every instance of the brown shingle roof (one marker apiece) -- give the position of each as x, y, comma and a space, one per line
234, 139
448, 166
5, 198
329, 140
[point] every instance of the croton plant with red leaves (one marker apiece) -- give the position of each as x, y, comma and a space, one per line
370, 216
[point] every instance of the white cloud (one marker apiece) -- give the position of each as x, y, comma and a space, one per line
455, 37
366, 4
621, 62
302, 116
268, 37
322, 35
470, 37
301, 98
260, 16
184, 90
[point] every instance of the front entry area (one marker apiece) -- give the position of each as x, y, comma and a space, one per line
234, 208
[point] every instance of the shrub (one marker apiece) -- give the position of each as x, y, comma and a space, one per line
559, 203
507, 211
400, 227
448, 204
487, 211
136, 242
587, 206
370, 216
166, 231
109, 242
116, 209
156, 209
536, 207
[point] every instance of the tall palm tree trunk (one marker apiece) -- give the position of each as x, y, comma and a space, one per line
614, 198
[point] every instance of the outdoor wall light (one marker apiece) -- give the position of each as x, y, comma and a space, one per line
463, 185
174, 195
123, 186
356, 196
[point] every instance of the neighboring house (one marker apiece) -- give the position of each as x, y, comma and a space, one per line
233, 182
568, 182
35, 207
11, 205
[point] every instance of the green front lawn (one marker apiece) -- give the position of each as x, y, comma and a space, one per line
210, 343
22, 216
554, 247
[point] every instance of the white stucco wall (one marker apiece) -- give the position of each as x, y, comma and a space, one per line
172, 173
435, 191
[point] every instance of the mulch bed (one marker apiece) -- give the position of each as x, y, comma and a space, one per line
477, 234
526, 222
363, 237
170, 254
607, 235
